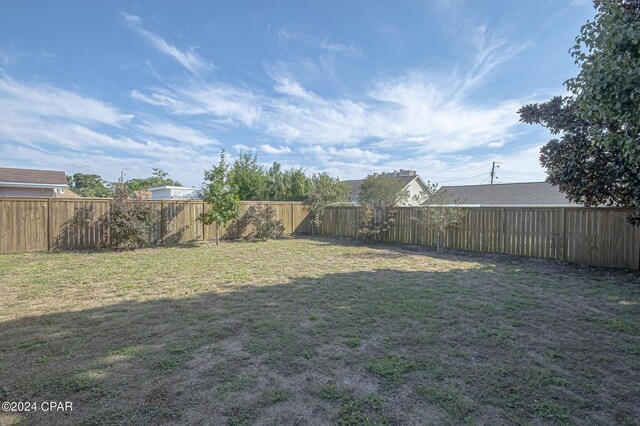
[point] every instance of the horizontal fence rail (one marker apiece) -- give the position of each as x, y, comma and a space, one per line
587, 236
42, 224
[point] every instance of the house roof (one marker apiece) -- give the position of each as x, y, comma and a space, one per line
158, 188
26, 176
508, 194
357, 184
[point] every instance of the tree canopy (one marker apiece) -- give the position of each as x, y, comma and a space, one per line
158, 178
382, 190
90, 185
596, 158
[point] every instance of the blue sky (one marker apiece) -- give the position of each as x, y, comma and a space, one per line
349, 88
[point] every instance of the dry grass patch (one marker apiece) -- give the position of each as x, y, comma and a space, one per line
316, 331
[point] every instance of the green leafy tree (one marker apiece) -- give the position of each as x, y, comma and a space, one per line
596, 159
607, 88
324, 190
379, 197
90, 185
158, 178
248, 176
221, 195
276, 187
383, 190
296, 184
587, 173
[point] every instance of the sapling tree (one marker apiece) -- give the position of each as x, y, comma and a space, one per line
440, 211
221, 196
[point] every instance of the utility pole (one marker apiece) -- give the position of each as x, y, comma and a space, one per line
493, 171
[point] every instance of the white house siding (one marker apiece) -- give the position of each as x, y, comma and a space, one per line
414, 194
6, 191
173, 194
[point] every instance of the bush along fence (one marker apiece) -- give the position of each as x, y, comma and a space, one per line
587, 236
43, 224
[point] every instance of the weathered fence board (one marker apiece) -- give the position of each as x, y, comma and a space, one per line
588, 236
41, 224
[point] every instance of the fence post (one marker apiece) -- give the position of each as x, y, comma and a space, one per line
335, 222
162, 219
563, 236
501, 231
49, 225
415, 225
357, 220
204, 236
292, 210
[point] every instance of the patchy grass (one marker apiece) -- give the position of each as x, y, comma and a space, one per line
335, 331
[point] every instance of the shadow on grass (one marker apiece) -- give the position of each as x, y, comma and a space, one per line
379, 346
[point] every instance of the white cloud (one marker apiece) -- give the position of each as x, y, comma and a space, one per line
241, 147
188, 58
179, 133
46, 100
218, 99
275, 149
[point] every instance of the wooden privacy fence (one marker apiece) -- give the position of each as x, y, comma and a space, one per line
42, 224
587, 236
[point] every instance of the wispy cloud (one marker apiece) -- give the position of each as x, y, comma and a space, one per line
46, 100
325, 44
218, 99
187, 58
183, 134
275, 149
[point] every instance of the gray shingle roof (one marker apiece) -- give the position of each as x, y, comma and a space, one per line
48, 177
356, 184
514, 194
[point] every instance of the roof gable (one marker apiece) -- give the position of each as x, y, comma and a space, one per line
357, 184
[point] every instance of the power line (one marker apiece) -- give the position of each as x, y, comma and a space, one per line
464, 178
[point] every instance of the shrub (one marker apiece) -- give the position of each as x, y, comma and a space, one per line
263, 218
130, 222
374, 222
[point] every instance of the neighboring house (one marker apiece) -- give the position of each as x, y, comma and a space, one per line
412, 183
141, 195
32, 183
174, 193
528, 194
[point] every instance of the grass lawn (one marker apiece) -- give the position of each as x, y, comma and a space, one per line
314, 331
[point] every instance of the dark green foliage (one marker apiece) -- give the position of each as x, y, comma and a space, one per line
287, 185
130, 222
248, 177
596, 160
221, 196
88, 185
607, 88
267, 225
158, 178
324, 190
